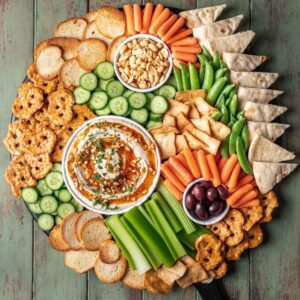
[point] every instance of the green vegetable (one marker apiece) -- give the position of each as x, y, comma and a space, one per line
233, 118
220, 73
206, 53
233, 92
201, 73
245, 136
226, 91
208, 77
189, 239
194, 78
216, 115
220, 102
178, 78
241, 153
235, 132
147, 216
241, 114
222, 64
227, 102
203, 59
185, 78
216, 90
225, 147
172, 81
225, 115
230, 124
216, 60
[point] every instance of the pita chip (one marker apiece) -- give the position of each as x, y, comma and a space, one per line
202, 124
193, 112
218, 129
271, 131
163, 129
268, 174
177, 107
220, 28
169, 120
204, 108
182, 121
180, 143
193, 142
166, 144
230, 43
243, 62
260, 112
190, 96
261, 80
170, 274
261, 149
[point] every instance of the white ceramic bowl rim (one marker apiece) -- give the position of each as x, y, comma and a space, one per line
211, 220
117, 54
88, 203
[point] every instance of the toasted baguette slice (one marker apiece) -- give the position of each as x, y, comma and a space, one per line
68, 231
110, 273
155, 285
93, 233
90, 16
133, 280
49, 62
90, 53
111, 22
109, 252
171, 274
81, 261
56, 239
92, 32
74, 28
113, 46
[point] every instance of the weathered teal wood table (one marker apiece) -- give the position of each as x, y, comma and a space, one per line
29, 269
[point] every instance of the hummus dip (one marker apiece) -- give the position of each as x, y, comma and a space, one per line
111, 163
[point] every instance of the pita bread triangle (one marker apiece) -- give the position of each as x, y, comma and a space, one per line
243, 62
220, 28
257, 95
268, 174
261, 149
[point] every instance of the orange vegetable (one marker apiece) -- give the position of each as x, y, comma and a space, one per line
168, 174
233, 179
243, 181
246, 198
185, 56
252, 203
193, 166
166, 26
181, 158
137, 13
196, 159
174, 28
180, 168
128, 11
213, 170
236, 196
163, 17
173, 190
228, 167
221, 164
253, 183
191, 49
203, 165
218, 156
180, 34
178, 174
187, 41
242, 175
147, 15
177, 63
158, 10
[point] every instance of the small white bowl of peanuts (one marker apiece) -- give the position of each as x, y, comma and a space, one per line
143, 63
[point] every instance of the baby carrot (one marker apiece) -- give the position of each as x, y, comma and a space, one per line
196, 160
178, 175
147, 15
165, 27
221, 163
193, 166
203, 164
252, 203
188, 41
213, 170
181, 158
179, 35
235, 197
158, 10
243, 181
168, 174
228, 167
174, 28
191, 49
163, 17
178, 166
233, 179
137, 13
173, 190
248, 197
128, 11
184, 56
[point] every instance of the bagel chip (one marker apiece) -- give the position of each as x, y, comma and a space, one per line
68, 231
80, 261
73, 28
56, 240
109, 252
133, 280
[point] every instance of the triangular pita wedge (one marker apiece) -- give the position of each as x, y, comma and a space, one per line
193, 142
182, 121
261, 80
176, 107
199, 16
243, 62
220, 28
271, 131
193, 112
218, 129
261, 149
230, 43
163, 129
204, 108
190, 96
180, 143
202, 124
169, 120
267, 175
260, 112
166, 144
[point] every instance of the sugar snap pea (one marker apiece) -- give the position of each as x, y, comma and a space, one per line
202, 73
227, 102
235, 132
227, 89
185, 78
194, 77
245, 136
178, 79
233, 105
220, 73
202, 59
206, 53
220, 102
216, 115
241, 114
216, 90
225, 116
242, 157
233, 92
222, 64
224, 147
232, 118
230, 124
208, 77
216, 60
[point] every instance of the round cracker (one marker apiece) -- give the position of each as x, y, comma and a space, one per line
40, 165
73, 28
68, 231
56, 239
109, 252
134, 280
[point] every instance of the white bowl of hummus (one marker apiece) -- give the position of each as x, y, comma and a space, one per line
111, 164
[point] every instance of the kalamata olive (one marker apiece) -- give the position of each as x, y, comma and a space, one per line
190, 202
200, 211
215, 207
212, 194
199, 192
223, 193
207, 184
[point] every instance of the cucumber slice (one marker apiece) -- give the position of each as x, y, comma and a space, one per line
127, 94
35, 207
103, 84
128, 111
88, 81
45, 222
98, 100
81, 95
64, 195
97, 89
137, 100
48, 204
114, 89
118, 106
29, 195
43, 188
54, 180
172, 81
167, 91
139, 115
105, 70
152, 124
64, 209
58, 220
77, 205
159, 105
156, 117
56, 193
54, 213
104, 111
57, 167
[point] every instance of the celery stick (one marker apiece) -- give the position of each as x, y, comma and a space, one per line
140, 260
165, 208
187, 224
152, 257
146, 215
152, 238
165, 229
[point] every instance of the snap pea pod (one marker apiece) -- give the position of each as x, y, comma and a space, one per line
220, 102
245, 136
227, 102
215, 90
216, 60
194, 78
216, 115
206, 53
226, 91
222, 64
232, 118
208, 77
225, 116
230, 124
242, 157
233, 105
202, 73
224, 147
233, 92
220, 73
202, 59
235, 132
240, 115
185, 78
178, 79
